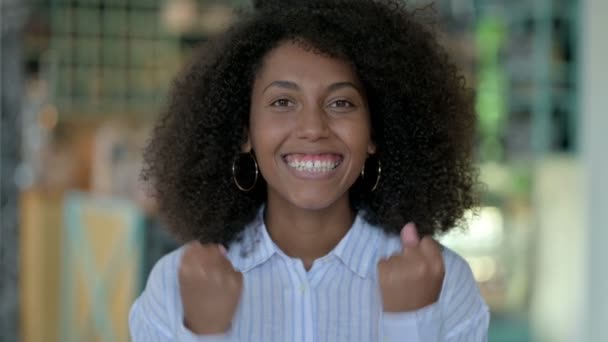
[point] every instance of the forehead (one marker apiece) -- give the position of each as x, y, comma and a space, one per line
291, 60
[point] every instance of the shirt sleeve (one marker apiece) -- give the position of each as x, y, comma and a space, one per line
157, 315
420, 325
149, 318
185, 335
460, 314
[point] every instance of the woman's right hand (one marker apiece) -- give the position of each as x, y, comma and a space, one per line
210, 288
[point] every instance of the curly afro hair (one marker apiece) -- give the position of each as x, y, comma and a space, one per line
423, 121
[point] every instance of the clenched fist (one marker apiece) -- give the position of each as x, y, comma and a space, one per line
210, 288
413, 278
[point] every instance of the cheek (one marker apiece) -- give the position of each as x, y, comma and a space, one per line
258, 129
356, 136
266, 138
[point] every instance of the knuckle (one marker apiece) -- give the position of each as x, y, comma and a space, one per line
438, 266
383, 273
429, 243
382, 266
237, 280
185, 271
194, 246
421, 270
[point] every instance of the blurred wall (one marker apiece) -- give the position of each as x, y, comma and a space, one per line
12, 17
560, 253
593, 323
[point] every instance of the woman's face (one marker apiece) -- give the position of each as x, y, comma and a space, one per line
309, 127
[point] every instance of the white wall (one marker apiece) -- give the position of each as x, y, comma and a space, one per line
558, 277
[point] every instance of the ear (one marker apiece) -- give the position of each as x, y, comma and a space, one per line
371, 148
246, 146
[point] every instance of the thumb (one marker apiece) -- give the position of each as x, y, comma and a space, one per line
409, 235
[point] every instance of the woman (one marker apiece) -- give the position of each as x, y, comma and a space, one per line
292, 153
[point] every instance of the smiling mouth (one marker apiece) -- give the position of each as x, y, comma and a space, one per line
313, 163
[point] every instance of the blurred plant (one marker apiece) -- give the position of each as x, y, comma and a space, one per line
492, 88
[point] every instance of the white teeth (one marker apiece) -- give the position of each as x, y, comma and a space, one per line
316, 166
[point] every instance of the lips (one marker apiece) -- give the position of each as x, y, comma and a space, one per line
313, 163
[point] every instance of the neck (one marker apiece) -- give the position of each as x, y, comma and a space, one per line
308, 234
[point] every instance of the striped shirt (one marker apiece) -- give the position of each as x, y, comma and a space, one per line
337, 300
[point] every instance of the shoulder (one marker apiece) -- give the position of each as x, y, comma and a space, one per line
159, 304
458, 274
460, 300
163, 277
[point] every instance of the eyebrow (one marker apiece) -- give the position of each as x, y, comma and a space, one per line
293, 86
282, 84
339, 85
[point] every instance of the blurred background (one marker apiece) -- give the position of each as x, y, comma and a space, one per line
83, 80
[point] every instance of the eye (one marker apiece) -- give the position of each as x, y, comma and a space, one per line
282, 103
341, 104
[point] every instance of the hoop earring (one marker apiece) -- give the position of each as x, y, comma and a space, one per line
255, 178
377, 176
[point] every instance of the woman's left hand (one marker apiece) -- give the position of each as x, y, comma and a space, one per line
413, 278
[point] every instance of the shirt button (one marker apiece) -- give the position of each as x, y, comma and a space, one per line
302, 288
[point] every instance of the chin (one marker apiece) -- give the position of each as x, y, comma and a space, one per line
313, 202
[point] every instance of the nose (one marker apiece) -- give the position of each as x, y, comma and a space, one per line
312, 124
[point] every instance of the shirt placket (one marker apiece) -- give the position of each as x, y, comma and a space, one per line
303, 297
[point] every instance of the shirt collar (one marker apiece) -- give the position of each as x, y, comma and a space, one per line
357, 250
253, 247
